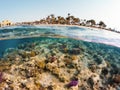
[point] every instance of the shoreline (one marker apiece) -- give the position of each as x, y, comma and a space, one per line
38, 36
79, 26
60, 25
64, 25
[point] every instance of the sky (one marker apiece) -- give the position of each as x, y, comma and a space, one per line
30, 10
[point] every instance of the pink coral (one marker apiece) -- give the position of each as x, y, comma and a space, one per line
73, 83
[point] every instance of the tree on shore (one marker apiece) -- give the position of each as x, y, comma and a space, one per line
69, 20
68, 14
53, 19
48, 19
61, 20
83, 22
102, 24
91, 22
76, 21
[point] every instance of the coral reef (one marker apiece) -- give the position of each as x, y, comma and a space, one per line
1, 77
60, 64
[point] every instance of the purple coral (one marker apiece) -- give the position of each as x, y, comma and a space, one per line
1, 77
73, 83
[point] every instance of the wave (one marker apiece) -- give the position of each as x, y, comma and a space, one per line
92, 35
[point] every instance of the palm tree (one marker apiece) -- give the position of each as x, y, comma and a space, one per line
48, 19
43, 21
58, 19
72, 19
68, 14
52, 20
52, 15
93, 22
83, 22
76, 21
62, 20
67, 20
36, 22
90, 22
102, 24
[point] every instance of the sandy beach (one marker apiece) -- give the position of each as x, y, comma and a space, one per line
62, 25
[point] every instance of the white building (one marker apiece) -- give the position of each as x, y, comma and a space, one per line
5, 23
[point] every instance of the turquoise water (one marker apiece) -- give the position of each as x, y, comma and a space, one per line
93, 50
46, 41
66, 35
91, 35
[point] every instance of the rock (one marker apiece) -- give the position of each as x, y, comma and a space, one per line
74, 57
102, 65
91, 82
24, 54
74, 88
63, 78
108, 63
74, 51
1, 77
51, 66
57, 87
32, 53
53, 58
93, 67
96, 78
61, 64
65, 50
67, 61
22, 85
105, 71
116, 78
56, 71
41, 64
30, 84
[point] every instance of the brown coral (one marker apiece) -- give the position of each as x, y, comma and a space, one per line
32, 54
74, 57
41, 64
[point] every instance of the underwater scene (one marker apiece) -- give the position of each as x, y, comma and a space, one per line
59, 58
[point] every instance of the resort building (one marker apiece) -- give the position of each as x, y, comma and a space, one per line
5, 23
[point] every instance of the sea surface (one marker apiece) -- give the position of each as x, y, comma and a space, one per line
11, 37
99, 46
